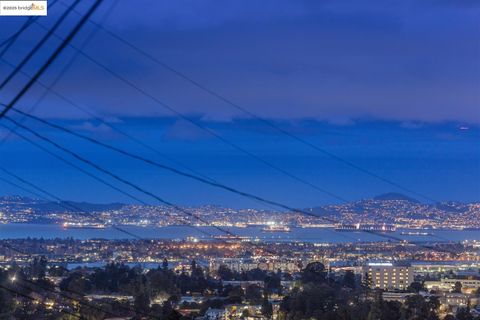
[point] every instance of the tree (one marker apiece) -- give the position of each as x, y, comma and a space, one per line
458, 287
38, 267
160, 281
245, 314
236, 292
376, 308
391, 310
254, 275
91, 313
314, 272
375, 312
267, 309
253, 294
272, 283
225, 273
416, 307
142, 303
7, 305
464, 314
76, 283
433, 304
165, 264
415, 287
58, 271
349, 279
313, 301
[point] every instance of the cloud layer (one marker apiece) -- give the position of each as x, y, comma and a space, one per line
337, 61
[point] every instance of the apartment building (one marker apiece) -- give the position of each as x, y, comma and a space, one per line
388, 276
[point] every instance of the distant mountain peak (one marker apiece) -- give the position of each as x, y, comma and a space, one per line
394, 196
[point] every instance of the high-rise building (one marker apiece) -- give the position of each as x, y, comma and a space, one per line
386, 275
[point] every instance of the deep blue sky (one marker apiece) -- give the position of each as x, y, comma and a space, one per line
392, 86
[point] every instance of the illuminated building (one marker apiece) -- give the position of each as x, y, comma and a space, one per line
386, 275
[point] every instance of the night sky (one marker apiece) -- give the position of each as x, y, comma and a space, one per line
391, 86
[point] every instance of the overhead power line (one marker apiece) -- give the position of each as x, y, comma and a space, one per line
7, 43
20, 187
39, 44
52, 57
10, 41
16, 292
62, 72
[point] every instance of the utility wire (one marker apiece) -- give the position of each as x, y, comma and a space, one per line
62, 72
11, 40
33, 299
71, 164
20, 187
12, 130
52, 57
46, 288
87, 304
39, 44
